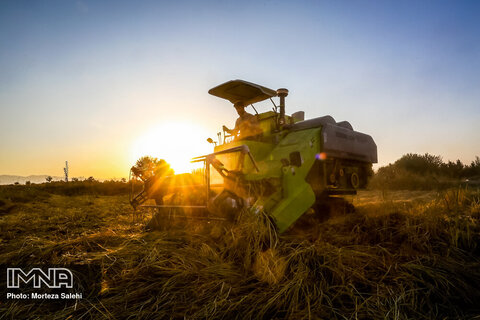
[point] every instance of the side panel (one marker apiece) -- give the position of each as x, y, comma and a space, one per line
298, 152
298, 198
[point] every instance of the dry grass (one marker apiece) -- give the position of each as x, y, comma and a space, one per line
401, 255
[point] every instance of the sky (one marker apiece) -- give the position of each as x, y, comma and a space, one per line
101, 83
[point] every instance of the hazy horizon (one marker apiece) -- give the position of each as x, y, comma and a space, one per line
102, 83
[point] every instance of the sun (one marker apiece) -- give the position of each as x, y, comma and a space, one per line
175, 142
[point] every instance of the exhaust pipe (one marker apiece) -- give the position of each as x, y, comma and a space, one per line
282, 93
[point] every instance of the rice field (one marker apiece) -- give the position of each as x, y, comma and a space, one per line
399, 255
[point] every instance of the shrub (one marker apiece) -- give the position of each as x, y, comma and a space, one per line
423, 172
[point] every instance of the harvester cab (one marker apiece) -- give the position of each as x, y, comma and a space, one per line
292, 166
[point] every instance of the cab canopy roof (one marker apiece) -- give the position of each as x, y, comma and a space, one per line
239, 91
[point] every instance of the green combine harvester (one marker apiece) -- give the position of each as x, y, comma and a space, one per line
289, 167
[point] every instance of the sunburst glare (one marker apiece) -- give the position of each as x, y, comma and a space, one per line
176, 142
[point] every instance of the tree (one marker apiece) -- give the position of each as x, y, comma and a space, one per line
420, 164
473, 170
49, 179
147, 167
454, 169
27, 183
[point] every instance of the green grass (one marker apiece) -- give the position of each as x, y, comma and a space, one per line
401, 255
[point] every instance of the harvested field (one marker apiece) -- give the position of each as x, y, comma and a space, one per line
400, 255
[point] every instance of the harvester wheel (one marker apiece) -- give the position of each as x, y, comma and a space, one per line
332, 178
354, 180
327, 207
309, 225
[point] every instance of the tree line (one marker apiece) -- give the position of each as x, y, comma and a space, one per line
415, 171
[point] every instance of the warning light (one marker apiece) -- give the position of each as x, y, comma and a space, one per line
321, 156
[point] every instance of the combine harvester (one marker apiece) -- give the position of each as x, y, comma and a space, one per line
291, 166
